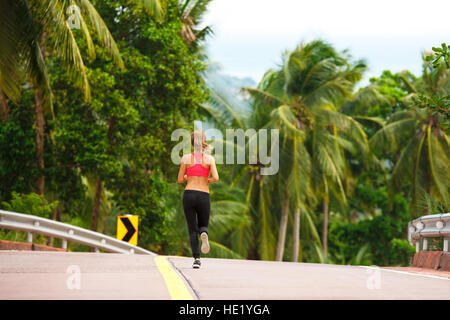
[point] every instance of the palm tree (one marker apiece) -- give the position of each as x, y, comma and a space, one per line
262, 192
305, 94
33, 29
191, 13
416, 137
254, 237
301, 99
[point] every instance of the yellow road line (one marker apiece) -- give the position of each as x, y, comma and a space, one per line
175, 285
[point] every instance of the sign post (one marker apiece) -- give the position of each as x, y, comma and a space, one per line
127, 229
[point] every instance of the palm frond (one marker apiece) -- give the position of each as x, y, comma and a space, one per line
389, 135
21, 57
439, 166
403, 169
16, 42
364, 98
377, 120
66, 47
410, 87
343, 143
402, 115
154, 8
198, 10
360, 255
319, 73
332, 90
283, 118
322, 258
219, 250
347, 127
102, 30
88, 38
219, 99
266, 96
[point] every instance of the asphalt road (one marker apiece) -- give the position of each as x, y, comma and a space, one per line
57, 275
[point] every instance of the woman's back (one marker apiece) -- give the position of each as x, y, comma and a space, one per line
198, 168
196, 173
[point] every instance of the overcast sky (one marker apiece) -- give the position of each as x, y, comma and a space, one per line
250, 35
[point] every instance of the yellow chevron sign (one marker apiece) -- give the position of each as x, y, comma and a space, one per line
127, 229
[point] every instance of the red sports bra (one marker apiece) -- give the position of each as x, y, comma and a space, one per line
197, 169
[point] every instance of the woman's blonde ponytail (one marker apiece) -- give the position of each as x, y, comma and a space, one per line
198, 138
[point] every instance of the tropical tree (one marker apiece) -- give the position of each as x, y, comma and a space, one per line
293, 180
305, 96
118, 140
32, 30
415, 135
253, 237
191, 13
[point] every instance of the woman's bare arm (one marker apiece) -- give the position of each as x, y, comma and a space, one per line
214, 173
182, 173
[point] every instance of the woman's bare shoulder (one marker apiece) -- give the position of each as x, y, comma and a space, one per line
209, 158
186, 158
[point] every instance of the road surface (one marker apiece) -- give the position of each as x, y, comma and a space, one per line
60, 275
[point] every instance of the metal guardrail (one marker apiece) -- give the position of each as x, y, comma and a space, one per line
435, 225
66, 232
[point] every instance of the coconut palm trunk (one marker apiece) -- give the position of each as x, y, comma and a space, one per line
283, 227
296, 235
40, 183
4, 107
96, 206
325, 218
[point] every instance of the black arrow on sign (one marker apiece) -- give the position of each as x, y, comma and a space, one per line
130, 229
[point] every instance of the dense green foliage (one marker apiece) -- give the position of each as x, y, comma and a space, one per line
122, 136
345, 160
355, 165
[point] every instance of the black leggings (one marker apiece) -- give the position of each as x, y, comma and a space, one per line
196, 205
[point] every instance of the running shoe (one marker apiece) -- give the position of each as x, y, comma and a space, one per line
196, 264
205, 242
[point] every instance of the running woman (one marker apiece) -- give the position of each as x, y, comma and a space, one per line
196, 168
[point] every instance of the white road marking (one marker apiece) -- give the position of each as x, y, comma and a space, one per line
409, 273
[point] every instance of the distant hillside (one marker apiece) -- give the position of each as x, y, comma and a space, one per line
235, 84
229, 86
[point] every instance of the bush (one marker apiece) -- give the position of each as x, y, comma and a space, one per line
30, 204
384, 234
401, 252
33, 204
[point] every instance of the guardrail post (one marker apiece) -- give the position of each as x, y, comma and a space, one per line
64, 244
97, 250
424, 244
446, 241
418, 245
29, 237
